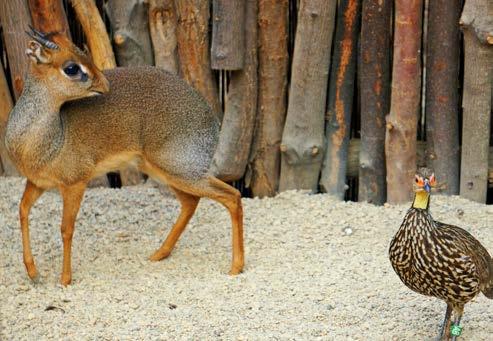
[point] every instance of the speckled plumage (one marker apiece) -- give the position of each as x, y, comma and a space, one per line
439, 260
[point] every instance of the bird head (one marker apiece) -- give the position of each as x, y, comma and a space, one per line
424, 180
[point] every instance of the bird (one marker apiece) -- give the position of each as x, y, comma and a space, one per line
440, 260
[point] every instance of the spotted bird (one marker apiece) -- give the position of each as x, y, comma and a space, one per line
440, 260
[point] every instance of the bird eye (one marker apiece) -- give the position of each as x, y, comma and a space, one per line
72, 69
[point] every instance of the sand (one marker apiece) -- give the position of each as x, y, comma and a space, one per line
316, 269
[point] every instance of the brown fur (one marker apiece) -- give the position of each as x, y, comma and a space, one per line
60, 139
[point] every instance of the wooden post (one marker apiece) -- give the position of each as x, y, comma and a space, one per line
303, 136
442, 95
265, 161
341, 90
193, 48
400, 142
162, 26
49, 16
476, 100
240, 108
8, 167
374, 85
15, 18
130, 26
228, 34
95, 31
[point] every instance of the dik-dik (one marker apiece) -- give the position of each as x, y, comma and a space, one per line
74, 122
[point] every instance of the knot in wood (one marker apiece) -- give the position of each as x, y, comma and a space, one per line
314, 14
283, 148
389, 126
314, 151
470, 185
119, 39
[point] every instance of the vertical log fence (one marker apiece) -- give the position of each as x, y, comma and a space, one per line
310, 93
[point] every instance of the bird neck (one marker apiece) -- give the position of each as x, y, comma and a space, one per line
421, 200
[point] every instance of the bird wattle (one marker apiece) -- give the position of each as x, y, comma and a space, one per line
421, 200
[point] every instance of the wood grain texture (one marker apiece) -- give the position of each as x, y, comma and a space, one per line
442, 91
400, 141
235, 139
264, 169
374, 86
228, 34
302, 146
15, 19
340, 104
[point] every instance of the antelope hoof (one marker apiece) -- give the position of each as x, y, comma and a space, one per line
236, 270
31, 271
66, 279
159, 255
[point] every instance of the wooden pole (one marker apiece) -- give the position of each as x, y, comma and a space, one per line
193, 48
49, 16
95, 32
442, 94
476, 100
15, 19
400, 142
162, 26
271, 109
341, 90
240, 108
228, 34
130, 26
374, 85
303, 136
8, 167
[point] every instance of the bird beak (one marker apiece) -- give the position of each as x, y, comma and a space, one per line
427, 187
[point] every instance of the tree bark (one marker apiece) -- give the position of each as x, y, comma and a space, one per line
303, 136
95, 32
477, 16
49, 16
374, 85
162, 25
354, 155
240, 108
228, 34
193, 48
130, 25
263, 173
8, 168
442, 95
400, 142
15, 18
476, 101
341, 90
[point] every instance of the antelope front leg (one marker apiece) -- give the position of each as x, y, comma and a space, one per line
72, 196
31, 194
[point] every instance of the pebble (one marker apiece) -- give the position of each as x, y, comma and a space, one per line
304, 278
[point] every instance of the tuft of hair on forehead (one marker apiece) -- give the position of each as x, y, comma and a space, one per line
424, 172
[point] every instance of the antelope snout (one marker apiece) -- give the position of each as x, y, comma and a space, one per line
100, 85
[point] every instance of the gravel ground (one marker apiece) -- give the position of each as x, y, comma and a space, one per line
316, 269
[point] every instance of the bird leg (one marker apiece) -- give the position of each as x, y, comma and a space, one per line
445, 329
456, 329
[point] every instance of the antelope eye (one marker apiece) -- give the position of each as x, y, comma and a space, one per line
71, 69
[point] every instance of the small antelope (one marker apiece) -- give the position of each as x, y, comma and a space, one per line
68, 127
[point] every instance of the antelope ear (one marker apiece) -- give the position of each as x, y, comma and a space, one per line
37, 53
